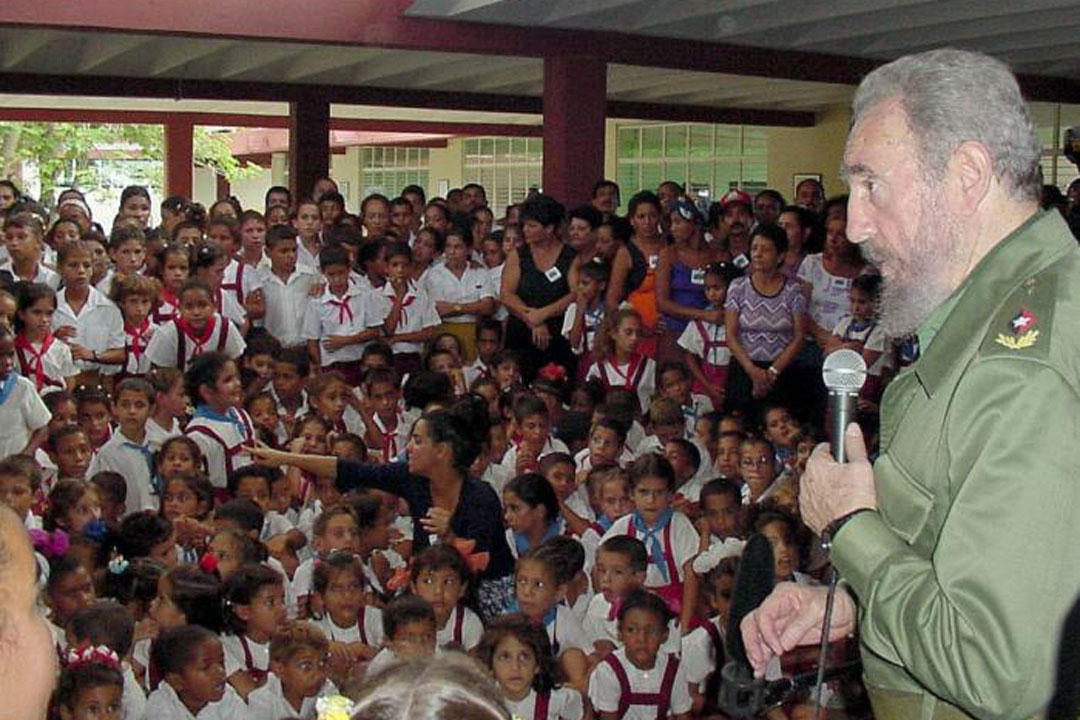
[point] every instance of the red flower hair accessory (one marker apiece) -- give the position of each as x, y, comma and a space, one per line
477, 561
90, 655
50, 544
209, 563
553, 372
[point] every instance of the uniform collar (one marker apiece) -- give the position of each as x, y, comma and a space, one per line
1038, 243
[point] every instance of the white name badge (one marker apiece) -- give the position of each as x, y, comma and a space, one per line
741, 261
653, 259
697, 277
553, 274
841, 283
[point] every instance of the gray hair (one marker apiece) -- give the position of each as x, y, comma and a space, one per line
952, 96
452, 686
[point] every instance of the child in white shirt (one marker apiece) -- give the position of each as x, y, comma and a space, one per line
286, 287
298, 676
409, 623
441, 575
85, 319
618, 364
188, 690
221, 429
585, 315
136, 295
25, 427
340, 606
24, 240
196, 330
411, 318
42, 357
528, 687
254, 599
128, 450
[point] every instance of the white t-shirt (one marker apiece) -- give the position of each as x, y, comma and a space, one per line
23, 413
564, 703
829, 298
872, 337
605, 691
372, 634
165, 704
56, 364
418, 313
699, 653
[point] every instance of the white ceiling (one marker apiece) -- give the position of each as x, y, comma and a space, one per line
1034, 36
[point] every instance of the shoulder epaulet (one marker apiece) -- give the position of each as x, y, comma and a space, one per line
1022, 325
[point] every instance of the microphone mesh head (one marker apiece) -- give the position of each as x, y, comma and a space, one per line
844, 370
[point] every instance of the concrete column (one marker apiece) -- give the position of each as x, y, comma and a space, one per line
179, 157
309, 144
575, 100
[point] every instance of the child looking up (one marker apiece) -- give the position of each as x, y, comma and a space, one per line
127, 451
298, 674
669, 536
42, 358
440, 575
199, 329
19, 480
518, 653
24, 239
220, 428
639, 675
254, 607
617, 361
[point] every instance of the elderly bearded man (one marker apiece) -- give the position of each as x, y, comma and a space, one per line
957, 546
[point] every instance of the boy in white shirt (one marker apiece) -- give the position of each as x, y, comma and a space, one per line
297, 676
85, 319
24, 240
286, 287
128, 450
339, 324
411, 318
489, 336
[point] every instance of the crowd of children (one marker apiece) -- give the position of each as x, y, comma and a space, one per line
185, 573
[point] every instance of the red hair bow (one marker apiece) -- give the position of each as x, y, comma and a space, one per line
553, 371
209, 563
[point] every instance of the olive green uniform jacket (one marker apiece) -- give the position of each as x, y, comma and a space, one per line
965, 575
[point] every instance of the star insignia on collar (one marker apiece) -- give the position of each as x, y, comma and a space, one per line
1024, 321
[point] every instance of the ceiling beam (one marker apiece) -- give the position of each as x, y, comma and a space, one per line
31, 84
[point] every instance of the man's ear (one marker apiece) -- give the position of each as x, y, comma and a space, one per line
969, 175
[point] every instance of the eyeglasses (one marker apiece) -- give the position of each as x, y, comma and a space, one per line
759, 462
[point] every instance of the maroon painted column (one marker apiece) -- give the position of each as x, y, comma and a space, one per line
179, 156
575, 100
309, 144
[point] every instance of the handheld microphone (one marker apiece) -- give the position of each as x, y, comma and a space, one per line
740, 694
844, 373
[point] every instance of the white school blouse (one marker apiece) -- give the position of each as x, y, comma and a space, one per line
223, 444
564, 703
418, 313
471, 629
284, 300
372, 634
134, 461
268, 702
163, 349
23, 413
99, 326
42, 274
684, 545
355, 311
443, 285
604, 689
165, 704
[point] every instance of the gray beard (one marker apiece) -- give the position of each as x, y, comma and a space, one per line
919, 285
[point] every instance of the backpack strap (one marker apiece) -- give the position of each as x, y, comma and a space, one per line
223, 333
624, 683
714, 634
249, 661
181, 348
360, 624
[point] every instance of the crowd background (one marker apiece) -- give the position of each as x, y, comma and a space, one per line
263, 453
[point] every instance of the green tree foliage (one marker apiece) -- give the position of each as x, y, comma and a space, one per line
65, 153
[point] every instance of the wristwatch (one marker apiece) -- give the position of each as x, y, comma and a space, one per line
457, 307
829, 535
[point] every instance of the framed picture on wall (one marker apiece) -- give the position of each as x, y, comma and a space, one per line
797, 178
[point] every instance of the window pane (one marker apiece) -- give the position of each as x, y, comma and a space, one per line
700, 174
652, 174
628, 175
675, 138
629, 143
755, 142
728, 176
652, 142
728, 140
701, 141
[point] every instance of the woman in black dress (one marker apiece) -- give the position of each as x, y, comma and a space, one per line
536, 289
444, 501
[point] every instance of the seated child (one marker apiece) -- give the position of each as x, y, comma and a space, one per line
607, 446
568, 555
609, 496
534, 424
640, 675
531, 512
19, 480
192, 665
409, 626
676, 384
541, 586
298, 674
440, 575
518, 653
559, 470
91, 685
220, 427
186, 500
254, 607
69, 588
353, 625
686, 461
729, 454
757, 465
668, 534
112, 496
74, 509
783, 432
334, 529
703, 648
105, 623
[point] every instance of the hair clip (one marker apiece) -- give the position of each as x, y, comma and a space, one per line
334, 707
476, 561
118, 565
209, 563
90, 655
49, 544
